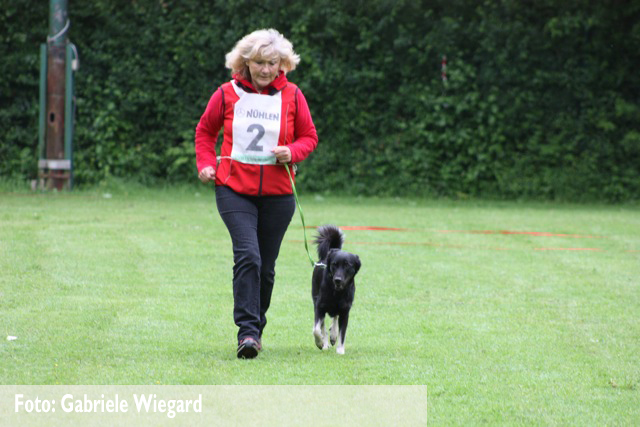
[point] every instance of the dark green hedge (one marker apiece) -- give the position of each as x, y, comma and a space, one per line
542, 98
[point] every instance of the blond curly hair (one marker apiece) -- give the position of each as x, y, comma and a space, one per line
268, 44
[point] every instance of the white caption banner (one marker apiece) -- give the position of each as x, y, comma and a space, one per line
286, 405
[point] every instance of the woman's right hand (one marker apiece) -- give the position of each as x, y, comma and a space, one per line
207, 174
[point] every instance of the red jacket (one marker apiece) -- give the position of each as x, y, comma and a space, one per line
297, 131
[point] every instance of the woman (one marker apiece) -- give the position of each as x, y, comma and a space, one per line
266, 123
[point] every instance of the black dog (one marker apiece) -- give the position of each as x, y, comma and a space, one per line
333, 287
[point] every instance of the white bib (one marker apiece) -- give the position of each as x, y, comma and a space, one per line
256, 127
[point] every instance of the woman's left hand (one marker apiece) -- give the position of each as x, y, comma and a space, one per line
283, 154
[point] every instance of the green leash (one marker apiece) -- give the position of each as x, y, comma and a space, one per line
304, 228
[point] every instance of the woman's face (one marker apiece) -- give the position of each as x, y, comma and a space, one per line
263, 71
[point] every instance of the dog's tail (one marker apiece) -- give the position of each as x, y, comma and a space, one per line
329, 237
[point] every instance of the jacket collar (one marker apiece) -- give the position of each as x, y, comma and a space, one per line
274, 87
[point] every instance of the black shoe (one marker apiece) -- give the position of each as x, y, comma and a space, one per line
248, 348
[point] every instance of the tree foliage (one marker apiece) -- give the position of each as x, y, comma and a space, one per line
542, 99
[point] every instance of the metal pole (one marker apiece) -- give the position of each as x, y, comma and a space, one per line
56, 53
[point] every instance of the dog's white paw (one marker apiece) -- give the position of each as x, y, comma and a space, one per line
340, 348
318, 337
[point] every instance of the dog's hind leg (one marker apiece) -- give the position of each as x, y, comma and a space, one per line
320, 334
343, 320
334, 330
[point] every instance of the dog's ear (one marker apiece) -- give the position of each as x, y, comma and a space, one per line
358, 264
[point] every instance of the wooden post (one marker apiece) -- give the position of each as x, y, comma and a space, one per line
55, 110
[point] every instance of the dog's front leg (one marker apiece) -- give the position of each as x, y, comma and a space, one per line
334, 330
320, 333
343, 320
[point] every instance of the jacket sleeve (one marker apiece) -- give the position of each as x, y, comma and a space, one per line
207, 131
305, 138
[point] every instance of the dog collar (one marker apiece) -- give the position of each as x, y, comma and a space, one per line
321, 265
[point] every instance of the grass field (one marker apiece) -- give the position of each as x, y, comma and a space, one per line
534, 326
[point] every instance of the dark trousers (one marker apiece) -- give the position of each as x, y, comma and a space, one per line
257, 226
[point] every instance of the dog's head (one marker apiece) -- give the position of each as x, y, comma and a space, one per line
342, 267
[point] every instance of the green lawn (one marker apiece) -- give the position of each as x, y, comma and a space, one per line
134, 287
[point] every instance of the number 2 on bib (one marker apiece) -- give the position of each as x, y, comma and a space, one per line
253, 145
